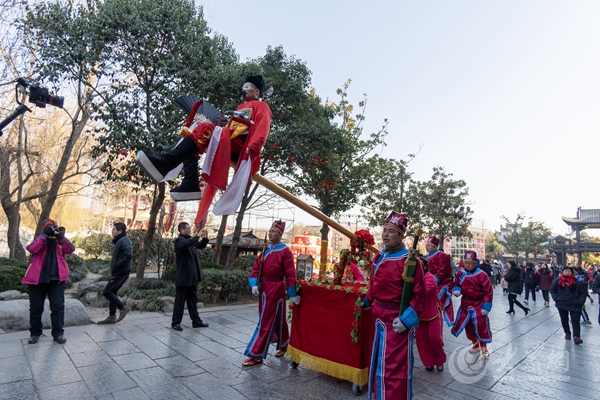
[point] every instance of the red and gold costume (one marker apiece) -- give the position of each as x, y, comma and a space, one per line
476, 295
390, 374
429, 334
441, 268
277, 269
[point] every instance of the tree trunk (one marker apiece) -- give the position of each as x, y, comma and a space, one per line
323, 259
16, 249
157, 201
441, 245
237, 232
219, 244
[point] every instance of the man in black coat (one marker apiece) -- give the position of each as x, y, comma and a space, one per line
120, 268
188, 275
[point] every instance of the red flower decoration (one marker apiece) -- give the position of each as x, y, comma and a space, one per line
274, 144
103, 170
132, 148
365, 236
123, 153
105, 151
292, 159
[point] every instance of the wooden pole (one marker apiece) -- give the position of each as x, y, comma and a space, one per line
278, 190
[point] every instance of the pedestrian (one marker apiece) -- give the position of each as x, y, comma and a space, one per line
273, 274
429, 333
582, 276
569, 296
440, 267
487, 268
241, 141
531, 280
475, 287
188, 275
390, 372
120, 268
46, 276
514, 278
546, 278
596, 289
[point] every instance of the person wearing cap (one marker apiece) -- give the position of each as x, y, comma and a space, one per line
46, 276
275, 269
429, 334
390, 372
569, 296
240, 141
475, 287
440, 266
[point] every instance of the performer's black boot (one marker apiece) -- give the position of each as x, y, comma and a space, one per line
157, 166
188, 190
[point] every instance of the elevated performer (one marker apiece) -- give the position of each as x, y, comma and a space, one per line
390, 373
241, 141
475, 287
440, 267
273, 274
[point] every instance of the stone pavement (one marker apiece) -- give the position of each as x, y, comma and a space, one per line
142, 358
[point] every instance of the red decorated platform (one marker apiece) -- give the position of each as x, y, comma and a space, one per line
322, 326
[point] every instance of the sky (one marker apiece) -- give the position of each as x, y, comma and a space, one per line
505, 95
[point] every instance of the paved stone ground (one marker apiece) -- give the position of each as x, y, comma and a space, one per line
142, 358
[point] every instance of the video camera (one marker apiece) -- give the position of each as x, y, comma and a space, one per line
38, 95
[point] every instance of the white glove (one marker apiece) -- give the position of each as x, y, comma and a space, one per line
398, 326
456, 293
255, 290
295, 300
484, 312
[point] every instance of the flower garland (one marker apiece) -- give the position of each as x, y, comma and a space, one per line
357, 254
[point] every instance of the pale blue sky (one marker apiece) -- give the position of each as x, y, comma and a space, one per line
504, 94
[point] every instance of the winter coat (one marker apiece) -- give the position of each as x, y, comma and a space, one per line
596, 285
189, 272
514, 277
38, 251
569, 298
546, 278
531, 277
120, 263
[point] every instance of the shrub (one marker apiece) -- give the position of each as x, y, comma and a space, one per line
74, 261
78, 274
210, 265
169, 273
96, 244
224, 283
11, 277
205, 254
150, 290
11, 262
97, 266
244, 262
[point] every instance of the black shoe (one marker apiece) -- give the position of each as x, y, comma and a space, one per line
60, 339
200, 324
429, 369
526, 310
33, 339
177, 327
188, 190
157, 166
510, 312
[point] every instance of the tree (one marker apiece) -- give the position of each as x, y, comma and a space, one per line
536, 237
445, 211
493, 248
511, 237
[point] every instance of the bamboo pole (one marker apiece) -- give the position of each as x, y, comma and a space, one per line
278, 190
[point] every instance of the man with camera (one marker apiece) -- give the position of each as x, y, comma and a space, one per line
120, 268
46, 276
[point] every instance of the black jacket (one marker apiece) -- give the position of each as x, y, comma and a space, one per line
569, 298
514, 277
120, 264
530, 276
596, 285
189, 272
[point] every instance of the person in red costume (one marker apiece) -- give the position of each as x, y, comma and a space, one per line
440, 267
240, 141
429, 334
475, 287
390, 373
275, 269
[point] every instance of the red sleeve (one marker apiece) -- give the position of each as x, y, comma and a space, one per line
486, 286
256, 267
445, 270
419, 297
290, 270
261, 116
38, 244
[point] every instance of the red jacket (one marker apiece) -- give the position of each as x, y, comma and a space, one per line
38, 251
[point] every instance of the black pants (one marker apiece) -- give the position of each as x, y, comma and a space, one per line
532, 289
545, 295
564, 320
512, 300
56, 296
585, 315
189, 295
110, 292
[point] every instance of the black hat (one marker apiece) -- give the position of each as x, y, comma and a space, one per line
258, 81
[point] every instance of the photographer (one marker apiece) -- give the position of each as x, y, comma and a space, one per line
46, 276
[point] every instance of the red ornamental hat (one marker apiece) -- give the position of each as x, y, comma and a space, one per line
279, 225
433, 240
397, 221
470, 255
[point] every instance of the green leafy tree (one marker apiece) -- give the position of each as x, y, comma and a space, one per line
591, 258
537, 239
493, 248
96, 244
511, 237
444, 210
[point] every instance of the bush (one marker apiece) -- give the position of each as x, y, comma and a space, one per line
11, 277
74, 261
150, 290
97, 266
244, 263
169, 273
78, 274
205, 254
224, 283
11, 262
96, 244
210, 265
